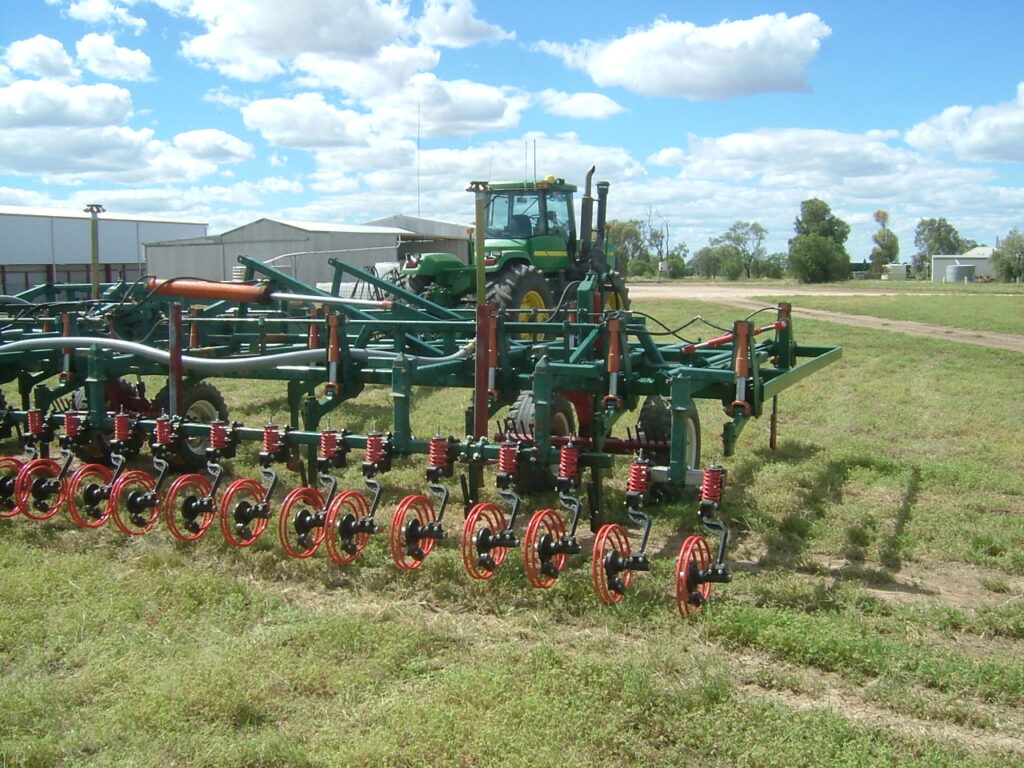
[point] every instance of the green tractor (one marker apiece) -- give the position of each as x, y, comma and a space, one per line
534, 256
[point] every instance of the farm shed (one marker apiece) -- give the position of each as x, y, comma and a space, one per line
980, 258
39, 245
277, 240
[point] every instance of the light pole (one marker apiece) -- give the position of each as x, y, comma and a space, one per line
95, 209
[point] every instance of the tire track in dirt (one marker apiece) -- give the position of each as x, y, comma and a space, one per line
740, 297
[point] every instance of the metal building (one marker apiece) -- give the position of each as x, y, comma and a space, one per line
39, 245
980, 258
302, 248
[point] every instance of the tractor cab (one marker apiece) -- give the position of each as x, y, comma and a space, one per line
535, 222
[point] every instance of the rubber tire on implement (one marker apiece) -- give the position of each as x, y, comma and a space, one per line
521, 416
201, 404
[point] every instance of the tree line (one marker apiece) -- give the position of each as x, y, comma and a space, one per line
817, 252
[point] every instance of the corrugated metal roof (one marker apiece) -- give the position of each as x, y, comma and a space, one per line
318, 226
71, 213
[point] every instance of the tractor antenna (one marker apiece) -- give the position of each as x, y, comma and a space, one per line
417, 156
535, 162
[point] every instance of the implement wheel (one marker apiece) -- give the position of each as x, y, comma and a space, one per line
298, 517
129, 483
85, 506
347, 508
201, 404
484, 521
9, 468
411, 515
546, 528
29, 497
179, 507
611, 547
238, 527
691, 593
531, 478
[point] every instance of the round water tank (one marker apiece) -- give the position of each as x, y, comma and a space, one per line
959, 273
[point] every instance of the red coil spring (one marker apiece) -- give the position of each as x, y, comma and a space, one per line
122, 427
163, 431
638, 477
711, 485
569, 461
218, 435
72, 423
35, 421
437, 456
374, 448
271, 439
508, 456
328, 443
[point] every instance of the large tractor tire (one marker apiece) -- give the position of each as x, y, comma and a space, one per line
522, 418
655, 423
521, 287
201, 403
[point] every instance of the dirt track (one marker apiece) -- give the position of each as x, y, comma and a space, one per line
742, 296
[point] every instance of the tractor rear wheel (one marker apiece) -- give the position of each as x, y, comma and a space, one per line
521, 287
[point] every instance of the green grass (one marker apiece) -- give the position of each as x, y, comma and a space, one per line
980, 312
879, 580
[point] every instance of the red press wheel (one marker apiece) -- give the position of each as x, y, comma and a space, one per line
484, 520
298, 515
694, 557
546, 528
346, 509
610, 545
238, 528
85, 505
9, 468
179, 507
412, 512
125, 487
25, 485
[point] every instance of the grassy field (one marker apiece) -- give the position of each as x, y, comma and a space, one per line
876, 617
976, 311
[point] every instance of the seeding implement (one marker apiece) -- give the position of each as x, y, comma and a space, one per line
568, 374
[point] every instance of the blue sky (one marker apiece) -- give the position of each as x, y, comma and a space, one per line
700, 114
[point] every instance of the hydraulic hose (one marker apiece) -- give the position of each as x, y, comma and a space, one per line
213, 367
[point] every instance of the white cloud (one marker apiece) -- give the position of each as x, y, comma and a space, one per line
594, 106
304, 121
450, 107
37, 103
214, 145
453, 23
992, 133
277, 161
669, 156
41, 56
101, 56
254, 40
277, 185
221, 95
101, 12
677, 59
367, 79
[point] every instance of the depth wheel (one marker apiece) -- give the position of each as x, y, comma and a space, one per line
346, 509
484, 521
413, 512
182, 497
546, 528
694, 557
238, 500
85, 506
129, 483
30, 476
299, 536
9, 468
611, 547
